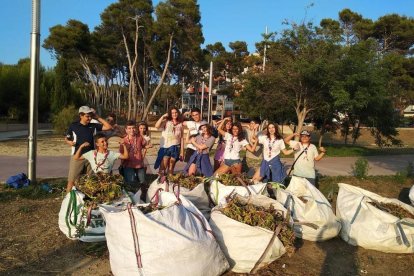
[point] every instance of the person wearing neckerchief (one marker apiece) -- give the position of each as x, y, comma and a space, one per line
271, 168
171, 143
221, 145
199, 161
101, 159
306, 154
235, 142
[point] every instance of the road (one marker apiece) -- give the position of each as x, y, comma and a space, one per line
48, 166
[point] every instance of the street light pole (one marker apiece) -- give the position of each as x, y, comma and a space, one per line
210, 91
264, 52
34, 90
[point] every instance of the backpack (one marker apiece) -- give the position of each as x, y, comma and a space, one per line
18, 181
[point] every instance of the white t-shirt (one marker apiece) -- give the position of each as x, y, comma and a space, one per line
171, 134
233, 147
305, 165
271, 148
193, 128
103, 162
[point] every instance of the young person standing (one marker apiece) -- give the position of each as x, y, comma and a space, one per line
77, 134
271, 168
221, 145
171, 143
193, 129
305, 155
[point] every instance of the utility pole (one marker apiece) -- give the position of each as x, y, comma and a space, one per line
264, 51
34, 90
210, 91
203, 86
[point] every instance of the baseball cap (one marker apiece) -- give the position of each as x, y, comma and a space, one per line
86, 109
305, 132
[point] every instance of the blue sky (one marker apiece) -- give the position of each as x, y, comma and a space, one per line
222, 20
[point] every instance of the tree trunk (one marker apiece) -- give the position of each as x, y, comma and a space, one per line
157, 89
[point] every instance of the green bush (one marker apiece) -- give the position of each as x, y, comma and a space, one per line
64, 118
360, 168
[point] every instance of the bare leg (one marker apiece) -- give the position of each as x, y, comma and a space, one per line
256, 176
69, 186
164, 164
171, 166
222, 169
236, 168
192, 169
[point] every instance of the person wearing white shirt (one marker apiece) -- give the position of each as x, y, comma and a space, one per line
271, 167
305, 155
193, 130
235, 142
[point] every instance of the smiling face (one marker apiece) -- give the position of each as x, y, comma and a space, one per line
174, 114
142, 129
229, 125
196, 116
85, 118
235, 131
101, 143
305, 138
271, 129
203, 129
131, 130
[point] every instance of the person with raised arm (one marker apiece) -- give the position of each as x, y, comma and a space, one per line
235, 142
271, 168
305, 155
101, 159
221, 145
172, 141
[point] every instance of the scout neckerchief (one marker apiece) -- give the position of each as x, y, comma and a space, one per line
99, 165
270, 145
134, 145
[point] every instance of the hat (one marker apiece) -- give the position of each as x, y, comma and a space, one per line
86, 109
305, 132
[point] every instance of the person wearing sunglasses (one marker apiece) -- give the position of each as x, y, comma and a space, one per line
305, 155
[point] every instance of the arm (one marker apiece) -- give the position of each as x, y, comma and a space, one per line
290, 137
124, 155
251, 147
321, 154
161, 120
220, 127
78, 155
182, 145
287, 152
105, 124
198, 146
69, 142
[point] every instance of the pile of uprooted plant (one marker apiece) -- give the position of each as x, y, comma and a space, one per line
392, 209
268, 218
185, 181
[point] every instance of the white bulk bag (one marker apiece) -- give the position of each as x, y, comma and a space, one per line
369, 227
70, 216
197, 196
176, 240
411, 195
244, 245
317, 211
219, 192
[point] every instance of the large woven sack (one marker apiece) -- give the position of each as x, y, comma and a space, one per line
73, 213
197, 196
247, 248
219, 192
176, 240
367, 226
319, 221
411, 195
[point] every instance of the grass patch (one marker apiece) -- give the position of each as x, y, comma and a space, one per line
36, 191
348, 150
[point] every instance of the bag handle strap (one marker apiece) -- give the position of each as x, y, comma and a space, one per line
244, 184
134, 235
294, 162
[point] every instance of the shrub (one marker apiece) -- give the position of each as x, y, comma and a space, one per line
64, 118
360, 168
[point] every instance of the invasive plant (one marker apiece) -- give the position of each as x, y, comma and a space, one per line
392, 209
360, 168
64, 118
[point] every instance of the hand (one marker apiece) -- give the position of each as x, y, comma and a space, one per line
296, 135
322, 149
122, 142
181, 157
86, 144
165, 116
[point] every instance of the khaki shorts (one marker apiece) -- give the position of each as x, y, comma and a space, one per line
78, 167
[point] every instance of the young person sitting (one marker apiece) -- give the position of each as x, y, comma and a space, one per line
199, 161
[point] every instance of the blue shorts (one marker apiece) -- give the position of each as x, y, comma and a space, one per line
231, 162
173, 152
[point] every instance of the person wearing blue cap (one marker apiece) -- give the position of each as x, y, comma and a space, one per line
305, 155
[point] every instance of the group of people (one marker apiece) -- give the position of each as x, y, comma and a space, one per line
90, 147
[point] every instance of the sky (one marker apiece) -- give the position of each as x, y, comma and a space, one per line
222, 20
